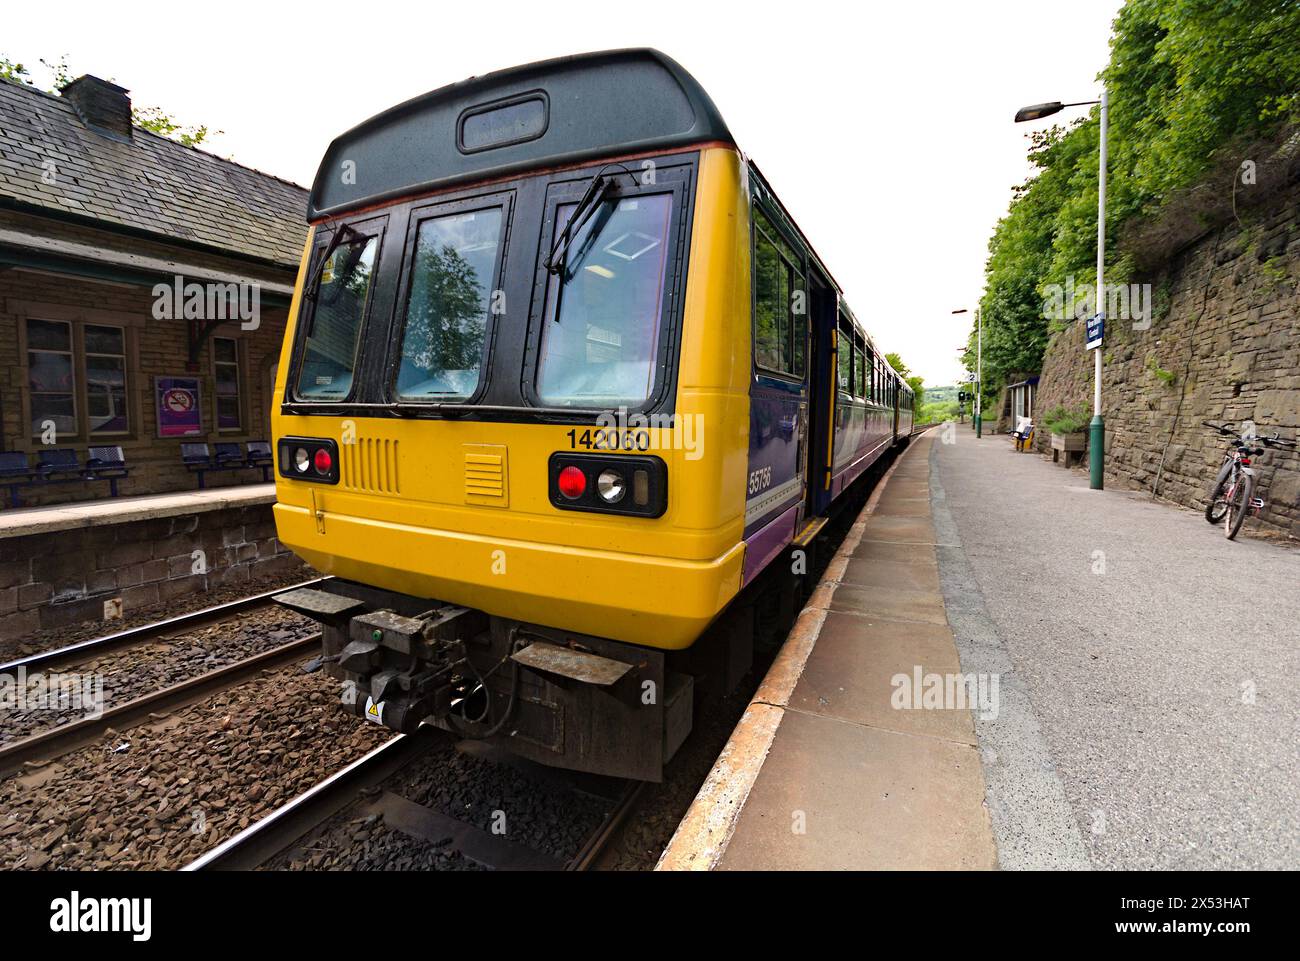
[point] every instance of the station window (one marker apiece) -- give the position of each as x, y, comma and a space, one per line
65, 362
603, 317
447, 309
225, 370
780, 302
334, 323
49, 376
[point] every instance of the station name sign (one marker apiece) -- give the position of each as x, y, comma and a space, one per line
1095, 332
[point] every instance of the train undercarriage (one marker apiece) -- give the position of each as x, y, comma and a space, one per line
563, 699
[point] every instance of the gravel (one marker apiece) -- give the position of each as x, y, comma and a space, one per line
133, 672
157, 796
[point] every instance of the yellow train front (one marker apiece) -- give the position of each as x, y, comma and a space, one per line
514, 416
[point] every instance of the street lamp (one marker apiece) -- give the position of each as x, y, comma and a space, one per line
1096, 429
978, 409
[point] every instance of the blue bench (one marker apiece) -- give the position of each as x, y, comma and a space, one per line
15, 472
198, 459
61, 466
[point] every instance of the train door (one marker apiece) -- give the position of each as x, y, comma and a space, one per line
821, 393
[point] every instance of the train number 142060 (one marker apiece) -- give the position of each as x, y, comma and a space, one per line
610, 439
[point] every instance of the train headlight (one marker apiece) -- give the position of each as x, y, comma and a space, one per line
572, 482
611, 486
312, 459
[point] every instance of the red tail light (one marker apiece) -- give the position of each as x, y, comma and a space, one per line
324, 462
572, 483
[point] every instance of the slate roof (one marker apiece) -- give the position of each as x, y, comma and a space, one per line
149, 183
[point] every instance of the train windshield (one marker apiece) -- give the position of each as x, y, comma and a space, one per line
335, 324
447, 310
602, 321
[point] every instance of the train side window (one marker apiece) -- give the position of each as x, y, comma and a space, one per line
859, 371
780, 302
844, 354
333, 326
447, 308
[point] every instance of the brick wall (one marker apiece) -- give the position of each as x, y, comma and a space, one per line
1230, 338
59, 578
154, 348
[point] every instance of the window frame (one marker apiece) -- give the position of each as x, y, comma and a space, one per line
367, 227
759, 209
419, 214
73, 366
238, 364
125, 358
674, 176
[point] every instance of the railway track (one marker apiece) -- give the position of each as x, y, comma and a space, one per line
357, 790
45, 746
135, 636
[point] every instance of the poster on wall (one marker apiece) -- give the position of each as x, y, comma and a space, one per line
177, 402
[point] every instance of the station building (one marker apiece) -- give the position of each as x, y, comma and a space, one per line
101, 225
107, 231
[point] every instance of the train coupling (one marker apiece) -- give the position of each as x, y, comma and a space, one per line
397, 671
400, 671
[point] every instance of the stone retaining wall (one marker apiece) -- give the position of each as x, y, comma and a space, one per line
1223, 345
58, 578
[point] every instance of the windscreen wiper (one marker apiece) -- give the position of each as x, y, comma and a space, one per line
313, 285
596, 191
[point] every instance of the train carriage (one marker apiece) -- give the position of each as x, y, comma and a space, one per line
562, 379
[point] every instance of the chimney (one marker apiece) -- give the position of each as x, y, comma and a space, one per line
103, 106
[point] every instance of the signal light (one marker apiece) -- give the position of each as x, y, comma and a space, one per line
636, 486
572, 482
313, 459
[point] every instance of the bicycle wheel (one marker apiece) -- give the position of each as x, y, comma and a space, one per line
1238, 505
1217, 505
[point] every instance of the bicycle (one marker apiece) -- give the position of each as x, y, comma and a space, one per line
1231, 498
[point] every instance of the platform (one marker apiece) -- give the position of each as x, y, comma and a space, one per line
21, 521
825, 771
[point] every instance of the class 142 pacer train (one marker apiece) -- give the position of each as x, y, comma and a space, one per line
562, 383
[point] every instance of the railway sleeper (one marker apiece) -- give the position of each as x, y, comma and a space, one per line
563, 699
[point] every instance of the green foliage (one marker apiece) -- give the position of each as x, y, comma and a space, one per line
1168, 376
163, 124
915, 382
14, 72
1186, 78
1066, 420
150, 118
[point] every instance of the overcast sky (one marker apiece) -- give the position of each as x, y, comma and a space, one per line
885, 128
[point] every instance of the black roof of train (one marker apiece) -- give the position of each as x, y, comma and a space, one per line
578, 108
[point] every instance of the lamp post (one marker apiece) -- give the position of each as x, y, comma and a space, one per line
1097, 428
977, 409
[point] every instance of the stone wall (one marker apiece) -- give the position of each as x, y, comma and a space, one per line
63, 577
1223, 345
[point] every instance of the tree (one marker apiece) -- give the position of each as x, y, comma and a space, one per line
1187, 80
153, 119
